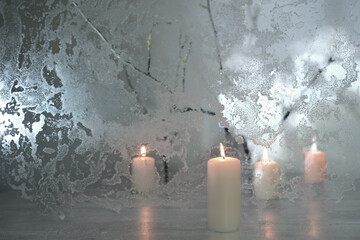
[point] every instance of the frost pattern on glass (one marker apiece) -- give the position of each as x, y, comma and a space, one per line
85, 83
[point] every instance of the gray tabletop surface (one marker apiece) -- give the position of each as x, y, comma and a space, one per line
314, 218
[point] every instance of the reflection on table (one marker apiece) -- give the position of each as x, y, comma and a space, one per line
269, 217
145, 223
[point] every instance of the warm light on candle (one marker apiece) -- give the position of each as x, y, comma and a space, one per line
314, 145
265, 156
143, 151
222, 151
266, 177
224, 193
143, 169
315, 164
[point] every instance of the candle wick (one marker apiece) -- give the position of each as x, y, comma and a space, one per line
223, 157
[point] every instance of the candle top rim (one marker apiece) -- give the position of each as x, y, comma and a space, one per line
221, 159
315, 152
266, 162
314, 147
141, 157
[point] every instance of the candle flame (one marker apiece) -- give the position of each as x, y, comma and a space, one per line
314, 147
143, 151
265, 155
314, 139
222, 151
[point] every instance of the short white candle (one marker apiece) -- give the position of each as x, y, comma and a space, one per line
224, 193
266, 178
143, 169
315, 165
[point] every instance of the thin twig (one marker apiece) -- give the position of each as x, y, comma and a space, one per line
184, 61
128, 80
90, 23
236, 145
190, 109
166, 169
127, 63
145, 111
149, 43
178, 65
246, 150
149, 51
217, 44
313, 81
254, 16
211, 113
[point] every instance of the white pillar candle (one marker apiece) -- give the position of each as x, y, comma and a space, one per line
143, 169
224, 193
315, 165
266, 178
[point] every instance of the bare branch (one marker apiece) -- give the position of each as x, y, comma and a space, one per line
184, 61
149, 43
312, 81
190, 109
144, 109
217, 44
125, 62
149, 51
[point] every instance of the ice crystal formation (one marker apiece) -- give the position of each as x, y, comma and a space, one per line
84, 83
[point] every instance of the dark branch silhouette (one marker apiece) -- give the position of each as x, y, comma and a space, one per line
190, 109
126, 62
312, 82
217, 44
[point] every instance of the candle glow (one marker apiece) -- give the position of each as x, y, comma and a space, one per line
265, 156
143, 151
266, 177
224, 193
315, 164
222, 152
143, 169
314, 147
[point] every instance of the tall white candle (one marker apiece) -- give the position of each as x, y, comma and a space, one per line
266, 178
224, 193
143, 169
315, 165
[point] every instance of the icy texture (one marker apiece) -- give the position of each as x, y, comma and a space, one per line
85, 83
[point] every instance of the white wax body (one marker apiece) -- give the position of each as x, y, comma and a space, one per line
224, 194
266, 179
315, 166
143, 169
